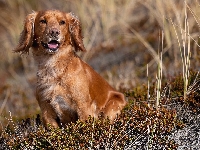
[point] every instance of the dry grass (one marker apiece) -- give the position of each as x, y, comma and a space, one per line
121, 37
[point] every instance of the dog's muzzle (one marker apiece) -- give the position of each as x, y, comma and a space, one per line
52, 46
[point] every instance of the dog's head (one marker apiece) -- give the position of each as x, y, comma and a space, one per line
49, 31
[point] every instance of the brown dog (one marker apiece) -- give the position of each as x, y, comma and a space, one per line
67, 88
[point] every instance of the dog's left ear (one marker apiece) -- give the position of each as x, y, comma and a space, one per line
75, 31
26, 39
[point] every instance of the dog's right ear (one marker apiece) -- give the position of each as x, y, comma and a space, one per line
75, 31
26, 38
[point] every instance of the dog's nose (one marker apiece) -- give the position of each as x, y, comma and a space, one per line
54, 32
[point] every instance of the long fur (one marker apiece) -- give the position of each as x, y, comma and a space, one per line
67, 88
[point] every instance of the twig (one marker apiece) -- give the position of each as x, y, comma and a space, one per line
5, 101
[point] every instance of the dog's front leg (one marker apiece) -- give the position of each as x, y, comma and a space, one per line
49, 116
86, 108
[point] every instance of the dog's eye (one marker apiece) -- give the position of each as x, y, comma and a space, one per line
43, 21
62, 22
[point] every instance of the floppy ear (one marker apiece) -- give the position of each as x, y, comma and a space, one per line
26, 38
75, 31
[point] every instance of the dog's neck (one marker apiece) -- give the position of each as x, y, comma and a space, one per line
64, 61
64, 55
55, 64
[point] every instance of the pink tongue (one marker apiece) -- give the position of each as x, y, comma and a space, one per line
52, 45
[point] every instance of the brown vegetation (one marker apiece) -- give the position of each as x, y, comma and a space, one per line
121, 37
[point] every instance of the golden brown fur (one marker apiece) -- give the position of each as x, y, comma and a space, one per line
67, 88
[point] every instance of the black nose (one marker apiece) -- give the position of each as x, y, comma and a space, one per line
54, 32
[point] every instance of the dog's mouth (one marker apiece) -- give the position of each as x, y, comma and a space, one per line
52, 46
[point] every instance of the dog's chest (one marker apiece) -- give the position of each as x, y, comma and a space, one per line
52, 82
54, 88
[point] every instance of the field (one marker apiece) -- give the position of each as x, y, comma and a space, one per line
148, 49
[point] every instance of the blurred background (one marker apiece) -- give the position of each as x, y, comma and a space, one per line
121, 38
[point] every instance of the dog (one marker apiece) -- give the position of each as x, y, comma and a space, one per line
67, 89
